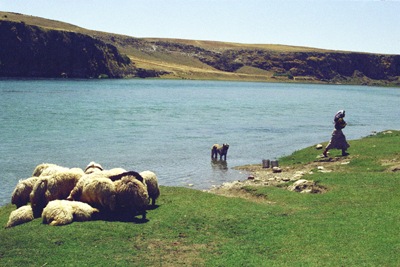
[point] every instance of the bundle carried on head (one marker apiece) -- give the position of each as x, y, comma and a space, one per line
339, 121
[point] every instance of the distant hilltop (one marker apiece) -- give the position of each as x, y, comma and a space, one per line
37, 47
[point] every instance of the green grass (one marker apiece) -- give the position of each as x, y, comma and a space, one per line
356, 223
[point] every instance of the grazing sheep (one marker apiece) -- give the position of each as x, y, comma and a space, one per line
20, 196
93, 167
132, 193
56, 186
19, 216
151, 181
95, 190
221, 150
47, 169
61, 212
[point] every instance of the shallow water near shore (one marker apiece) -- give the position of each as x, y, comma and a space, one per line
169, 126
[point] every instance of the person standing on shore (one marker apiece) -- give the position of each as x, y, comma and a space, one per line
338, 139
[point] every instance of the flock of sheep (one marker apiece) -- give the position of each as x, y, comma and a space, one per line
60, 195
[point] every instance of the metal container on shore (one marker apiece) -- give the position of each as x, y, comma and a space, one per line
274, 163
265, 163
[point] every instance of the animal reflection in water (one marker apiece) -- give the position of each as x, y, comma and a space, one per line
221, 150
219, 165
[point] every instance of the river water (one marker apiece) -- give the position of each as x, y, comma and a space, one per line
169, 126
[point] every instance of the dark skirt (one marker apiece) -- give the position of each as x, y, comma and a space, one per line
338, 140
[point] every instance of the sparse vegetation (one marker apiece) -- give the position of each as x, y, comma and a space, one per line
287, 74
103, 76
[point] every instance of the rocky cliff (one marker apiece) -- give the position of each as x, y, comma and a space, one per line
318, 65
31, 51
284, 63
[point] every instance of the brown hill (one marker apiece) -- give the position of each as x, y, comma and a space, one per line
193, 59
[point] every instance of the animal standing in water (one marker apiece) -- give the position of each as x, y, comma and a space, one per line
221, 150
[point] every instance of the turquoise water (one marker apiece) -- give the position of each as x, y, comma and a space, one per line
169, 126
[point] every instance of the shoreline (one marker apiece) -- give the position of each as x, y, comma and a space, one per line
283, 176
268, 177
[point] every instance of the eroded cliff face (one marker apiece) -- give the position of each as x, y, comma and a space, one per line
334, 67
30, 51
323, 66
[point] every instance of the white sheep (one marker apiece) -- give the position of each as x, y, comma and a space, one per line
61, 212
46, 169
95, 167
95, 189
19, 216
56, 186
132, 193
151, 181
20, 196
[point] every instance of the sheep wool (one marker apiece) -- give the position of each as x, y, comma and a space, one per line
95, 190
93, 167
132, 174
56, 186
113, 172
132, 194
20, 196
61, 212
46, 169
19, 216
151, 181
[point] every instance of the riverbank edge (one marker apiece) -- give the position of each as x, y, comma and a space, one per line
286, 175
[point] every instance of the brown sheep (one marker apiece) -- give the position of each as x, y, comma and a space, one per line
19, 216
221, 150
96, 190
61, 212
151, 181
56, 186
132, 193
20, 196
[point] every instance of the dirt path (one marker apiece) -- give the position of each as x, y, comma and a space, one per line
261, 177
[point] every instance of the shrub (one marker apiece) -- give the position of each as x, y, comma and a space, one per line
103, 76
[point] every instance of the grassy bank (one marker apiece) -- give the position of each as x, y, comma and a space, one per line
356, 223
